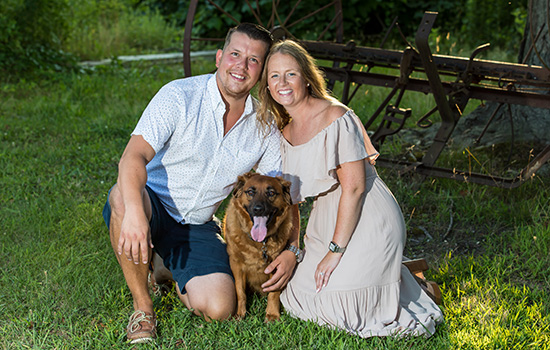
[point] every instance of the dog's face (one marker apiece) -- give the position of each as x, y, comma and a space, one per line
263, 198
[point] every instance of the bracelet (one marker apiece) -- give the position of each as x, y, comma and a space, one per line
297, 251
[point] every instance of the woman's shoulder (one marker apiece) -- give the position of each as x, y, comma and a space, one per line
335, 111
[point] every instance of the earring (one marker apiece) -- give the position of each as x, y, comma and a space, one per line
307, 85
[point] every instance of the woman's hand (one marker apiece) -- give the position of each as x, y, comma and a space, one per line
325, 268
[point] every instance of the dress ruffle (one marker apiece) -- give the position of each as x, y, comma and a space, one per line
358, 312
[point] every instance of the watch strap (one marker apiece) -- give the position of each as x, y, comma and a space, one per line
335, 248
297, 251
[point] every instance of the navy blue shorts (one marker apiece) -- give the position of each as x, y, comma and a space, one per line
187, 250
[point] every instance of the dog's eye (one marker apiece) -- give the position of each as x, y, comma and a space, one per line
271, 193
251, 192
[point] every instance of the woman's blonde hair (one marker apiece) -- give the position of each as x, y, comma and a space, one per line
313, 76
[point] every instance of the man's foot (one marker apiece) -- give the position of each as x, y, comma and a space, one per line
142, 327
158, 289
160, 278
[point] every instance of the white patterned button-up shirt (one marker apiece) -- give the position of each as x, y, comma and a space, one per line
195, 164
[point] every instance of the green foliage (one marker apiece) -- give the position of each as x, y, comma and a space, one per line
39, 34
501, 23
31, 35
365, 21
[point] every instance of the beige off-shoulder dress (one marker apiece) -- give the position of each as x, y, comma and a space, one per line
370, 293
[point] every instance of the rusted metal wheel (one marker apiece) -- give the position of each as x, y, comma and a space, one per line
280, 20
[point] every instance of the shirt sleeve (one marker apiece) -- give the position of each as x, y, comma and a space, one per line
160, 117
270, 162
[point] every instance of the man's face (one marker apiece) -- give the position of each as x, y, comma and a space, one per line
240, 65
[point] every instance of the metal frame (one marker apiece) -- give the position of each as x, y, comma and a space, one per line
473, 79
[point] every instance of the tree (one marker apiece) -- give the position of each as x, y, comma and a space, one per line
516, 123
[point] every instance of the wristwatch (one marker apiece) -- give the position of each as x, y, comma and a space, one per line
335, 248
297, 251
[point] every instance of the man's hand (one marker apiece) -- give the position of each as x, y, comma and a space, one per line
135, 238
283, 266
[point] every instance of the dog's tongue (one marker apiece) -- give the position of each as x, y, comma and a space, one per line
259, 229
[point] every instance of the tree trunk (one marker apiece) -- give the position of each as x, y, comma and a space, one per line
515, 123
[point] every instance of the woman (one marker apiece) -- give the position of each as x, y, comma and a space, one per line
352, 275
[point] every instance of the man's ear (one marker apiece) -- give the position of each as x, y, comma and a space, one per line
218, 57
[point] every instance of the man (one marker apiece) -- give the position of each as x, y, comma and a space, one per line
192, 141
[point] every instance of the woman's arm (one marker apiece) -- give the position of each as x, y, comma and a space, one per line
352, 179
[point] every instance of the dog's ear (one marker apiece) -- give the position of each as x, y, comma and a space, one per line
286, 190
238, 189
241, 180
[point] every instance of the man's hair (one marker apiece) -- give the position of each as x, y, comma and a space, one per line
253, 31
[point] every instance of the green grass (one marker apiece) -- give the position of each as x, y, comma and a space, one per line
106, 29
61, 287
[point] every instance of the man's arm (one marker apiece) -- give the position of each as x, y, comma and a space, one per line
132, 177
285, 263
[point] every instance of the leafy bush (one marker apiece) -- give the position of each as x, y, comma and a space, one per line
31, 35
366, 21
38, 34
501, 23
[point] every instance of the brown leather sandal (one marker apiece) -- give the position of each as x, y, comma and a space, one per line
417, 268
142, 327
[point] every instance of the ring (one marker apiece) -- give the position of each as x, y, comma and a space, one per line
321, 273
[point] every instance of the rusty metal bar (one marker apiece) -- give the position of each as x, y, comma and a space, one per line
449, 114
465, 176
486, 93
503, 72
187, 37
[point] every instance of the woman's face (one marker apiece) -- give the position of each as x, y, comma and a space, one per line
285, 81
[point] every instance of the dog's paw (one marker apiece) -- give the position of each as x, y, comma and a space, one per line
272, 318
238, 317
240, 314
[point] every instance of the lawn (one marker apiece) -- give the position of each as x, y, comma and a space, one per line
61, 288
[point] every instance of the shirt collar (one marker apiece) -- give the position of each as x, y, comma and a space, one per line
217, 101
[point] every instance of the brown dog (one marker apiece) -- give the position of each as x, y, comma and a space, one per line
257, 227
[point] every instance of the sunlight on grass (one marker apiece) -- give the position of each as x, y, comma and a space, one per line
60, 142
484, 311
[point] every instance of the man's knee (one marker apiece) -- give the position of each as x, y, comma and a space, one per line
216, 309
219, 309
216, 301
115, 202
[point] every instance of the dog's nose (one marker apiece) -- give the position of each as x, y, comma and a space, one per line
258, 209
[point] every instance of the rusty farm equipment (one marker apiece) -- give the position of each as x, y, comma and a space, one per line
452, 81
